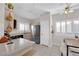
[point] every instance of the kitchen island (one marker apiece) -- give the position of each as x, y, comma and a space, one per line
19, 47
70, 42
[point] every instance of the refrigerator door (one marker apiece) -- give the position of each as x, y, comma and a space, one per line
36, 34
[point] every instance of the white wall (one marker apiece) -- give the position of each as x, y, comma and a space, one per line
1, 19
45, 29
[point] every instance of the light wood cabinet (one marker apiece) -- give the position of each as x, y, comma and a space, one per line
28, 35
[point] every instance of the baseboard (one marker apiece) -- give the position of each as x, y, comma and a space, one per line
43, 45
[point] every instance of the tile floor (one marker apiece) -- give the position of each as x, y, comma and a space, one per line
39, 50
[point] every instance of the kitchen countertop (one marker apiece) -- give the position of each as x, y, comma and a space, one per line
18, 48
72, 42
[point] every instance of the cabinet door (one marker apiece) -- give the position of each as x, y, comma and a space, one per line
1, 19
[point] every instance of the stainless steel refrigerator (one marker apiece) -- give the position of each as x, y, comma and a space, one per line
36, 33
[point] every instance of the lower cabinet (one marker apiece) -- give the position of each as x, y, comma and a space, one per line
17, 36
27, 36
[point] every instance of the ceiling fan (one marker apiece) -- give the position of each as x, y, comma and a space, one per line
68, 9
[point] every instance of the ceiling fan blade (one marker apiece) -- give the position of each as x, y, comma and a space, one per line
74, 6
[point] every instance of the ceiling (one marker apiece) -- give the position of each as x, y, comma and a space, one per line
35, 10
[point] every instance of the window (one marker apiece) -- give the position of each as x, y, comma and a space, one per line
63, 26
69, 26
58, 26
27, 27
76, 26
24, 27
21, 27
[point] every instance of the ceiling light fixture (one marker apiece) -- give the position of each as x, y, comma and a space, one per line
68, 9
